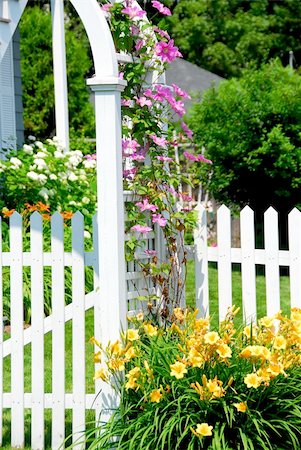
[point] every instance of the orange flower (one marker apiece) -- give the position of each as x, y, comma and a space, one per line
66, 215
42, 207
8, 212
31, 208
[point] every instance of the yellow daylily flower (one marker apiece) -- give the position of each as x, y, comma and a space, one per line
132, 335
203, 429
241, 407
252, 380
224, 351
97, 357
155, 396
211, 338
279, 343
150, 330
102, 374
178, 370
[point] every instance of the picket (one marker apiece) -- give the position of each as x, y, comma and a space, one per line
224, 260
271, 243
294, 227
201, 263
248, 269
37, 329
16, 322
58, 331
78, 329
98, 308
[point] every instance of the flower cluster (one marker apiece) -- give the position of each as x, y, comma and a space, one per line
153, 126
220, 372
46, 173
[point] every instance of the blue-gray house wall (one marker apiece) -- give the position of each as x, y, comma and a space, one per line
11, 110
18, 89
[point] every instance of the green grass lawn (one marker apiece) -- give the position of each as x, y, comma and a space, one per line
190, 297
236, 292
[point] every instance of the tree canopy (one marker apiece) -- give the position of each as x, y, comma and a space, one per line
227, 36
251, 129
37, 74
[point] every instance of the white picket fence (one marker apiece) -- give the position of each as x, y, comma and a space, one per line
248, 257
17, 400
79, 401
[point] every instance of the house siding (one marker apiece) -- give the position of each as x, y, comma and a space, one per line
18, 89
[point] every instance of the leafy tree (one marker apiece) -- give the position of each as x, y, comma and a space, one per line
227, 36
37, 75
251, 129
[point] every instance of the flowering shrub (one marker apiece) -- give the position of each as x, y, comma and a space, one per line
45, 172
188, 387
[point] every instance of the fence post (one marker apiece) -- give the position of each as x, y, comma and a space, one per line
201, 262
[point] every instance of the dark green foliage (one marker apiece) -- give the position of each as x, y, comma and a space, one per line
37, 75
251, 129
226, 36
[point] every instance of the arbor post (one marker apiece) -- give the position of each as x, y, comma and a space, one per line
110, 311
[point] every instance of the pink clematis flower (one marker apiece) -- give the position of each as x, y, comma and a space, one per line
162, 33
164, 158
180, 92
185, 128
129, 174
150, 252
146, 206
177, 106
90, 157
130, 145
161, 8
186, 197
163, 91
125, 102
167, 51
161, 141
143, 101
106, 7
149, 93
190, 156
139, 44
137, 157
157, 218
199, 158
133, 11
134, 30
141, 229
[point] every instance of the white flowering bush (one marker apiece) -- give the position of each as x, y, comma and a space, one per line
45, 172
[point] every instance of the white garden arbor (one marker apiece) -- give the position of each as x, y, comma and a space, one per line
110, 307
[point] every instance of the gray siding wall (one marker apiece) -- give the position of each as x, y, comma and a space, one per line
18, 89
